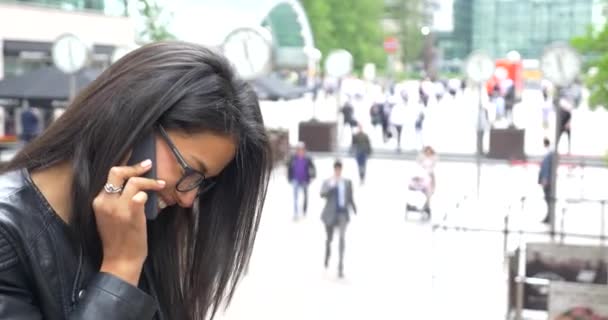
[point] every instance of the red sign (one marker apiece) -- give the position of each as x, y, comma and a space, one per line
391, 44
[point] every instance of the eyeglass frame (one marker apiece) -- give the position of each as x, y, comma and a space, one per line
187, 169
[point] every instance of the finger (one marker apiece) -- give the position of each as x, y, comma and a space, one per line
137, 202
136, 184
119, 174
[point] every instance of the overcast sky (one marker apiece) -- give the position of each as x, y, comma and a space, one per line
210, 21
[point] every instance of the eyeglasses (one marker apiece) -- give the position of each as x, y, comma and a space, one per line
191, 178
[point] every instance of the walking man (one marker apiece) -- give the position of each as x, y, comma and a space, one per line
300, 171
338, 193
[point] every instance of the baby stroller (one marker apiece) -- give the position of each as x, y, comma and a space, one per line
418, 194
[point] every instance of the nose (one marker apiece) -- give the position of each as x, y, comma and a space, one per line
186, 199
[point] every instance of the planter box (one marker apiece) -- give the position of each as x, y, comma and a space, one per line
318, 136
507, 144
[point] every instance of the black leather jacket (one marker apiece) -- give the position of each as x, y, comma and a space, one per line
44, 275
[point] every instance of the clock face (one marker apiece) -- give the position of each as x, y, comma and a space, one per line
249, 51
479, 67
560, 64
70, 54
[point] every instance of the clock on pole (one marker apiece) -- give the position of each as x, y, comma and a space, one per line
249, 49
479, 68
70, 53
560, 64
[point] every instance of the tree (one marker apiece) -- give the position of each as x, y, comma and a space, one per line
351, 25
318, 12
155, 22
409, 18
594, 48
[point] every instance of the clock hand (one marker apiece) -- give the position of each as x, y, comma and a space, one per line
71, 59
560, 64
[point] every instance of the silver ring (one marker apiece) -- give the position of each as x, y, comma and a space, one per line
110, 188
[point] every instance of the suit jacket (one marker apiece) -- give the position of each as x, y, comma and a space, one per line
545, 170
330, 213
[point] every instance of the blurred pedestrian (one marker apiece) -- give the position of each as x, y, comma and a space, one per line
30, 123
348, 113
362, 149
499, 104
338, 193
398, 117
565, 117
510, 99
427, 160
386, 110
544, 176
300, 171
419, 124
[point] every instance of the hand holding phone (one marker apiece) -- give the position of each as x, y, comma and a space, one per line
121, 220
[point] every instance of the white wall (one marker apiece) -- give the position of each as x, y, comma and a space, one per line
28, 23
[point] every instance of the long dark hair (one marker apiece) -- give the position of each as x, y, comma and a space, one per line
197, 255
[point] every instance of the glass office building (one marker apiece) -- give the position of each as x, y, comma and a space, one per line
457, 44
527, 26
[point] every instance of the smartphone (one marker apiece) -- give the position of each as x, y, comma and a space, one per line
142, 150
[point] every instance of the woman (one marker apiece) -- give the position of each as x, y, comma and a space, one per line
74, 240
427, 160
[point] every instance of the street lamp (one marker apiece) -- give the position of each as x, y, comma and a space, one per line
429, 54
425, 31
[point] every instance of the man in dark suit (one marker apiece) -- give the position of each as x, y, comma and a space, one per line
338, 193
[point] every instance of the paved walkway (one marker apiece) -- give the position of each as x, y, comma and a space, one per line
396, 269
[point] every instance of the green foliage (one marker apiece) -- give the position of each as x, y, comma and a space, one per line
351, 25
594, 48
155, 22
409, 17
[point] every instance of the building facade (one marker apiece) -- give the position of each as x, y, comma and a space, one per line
29, 28
458, 43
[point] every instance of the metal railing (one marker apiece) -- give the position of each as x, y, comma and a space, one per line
554, 233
